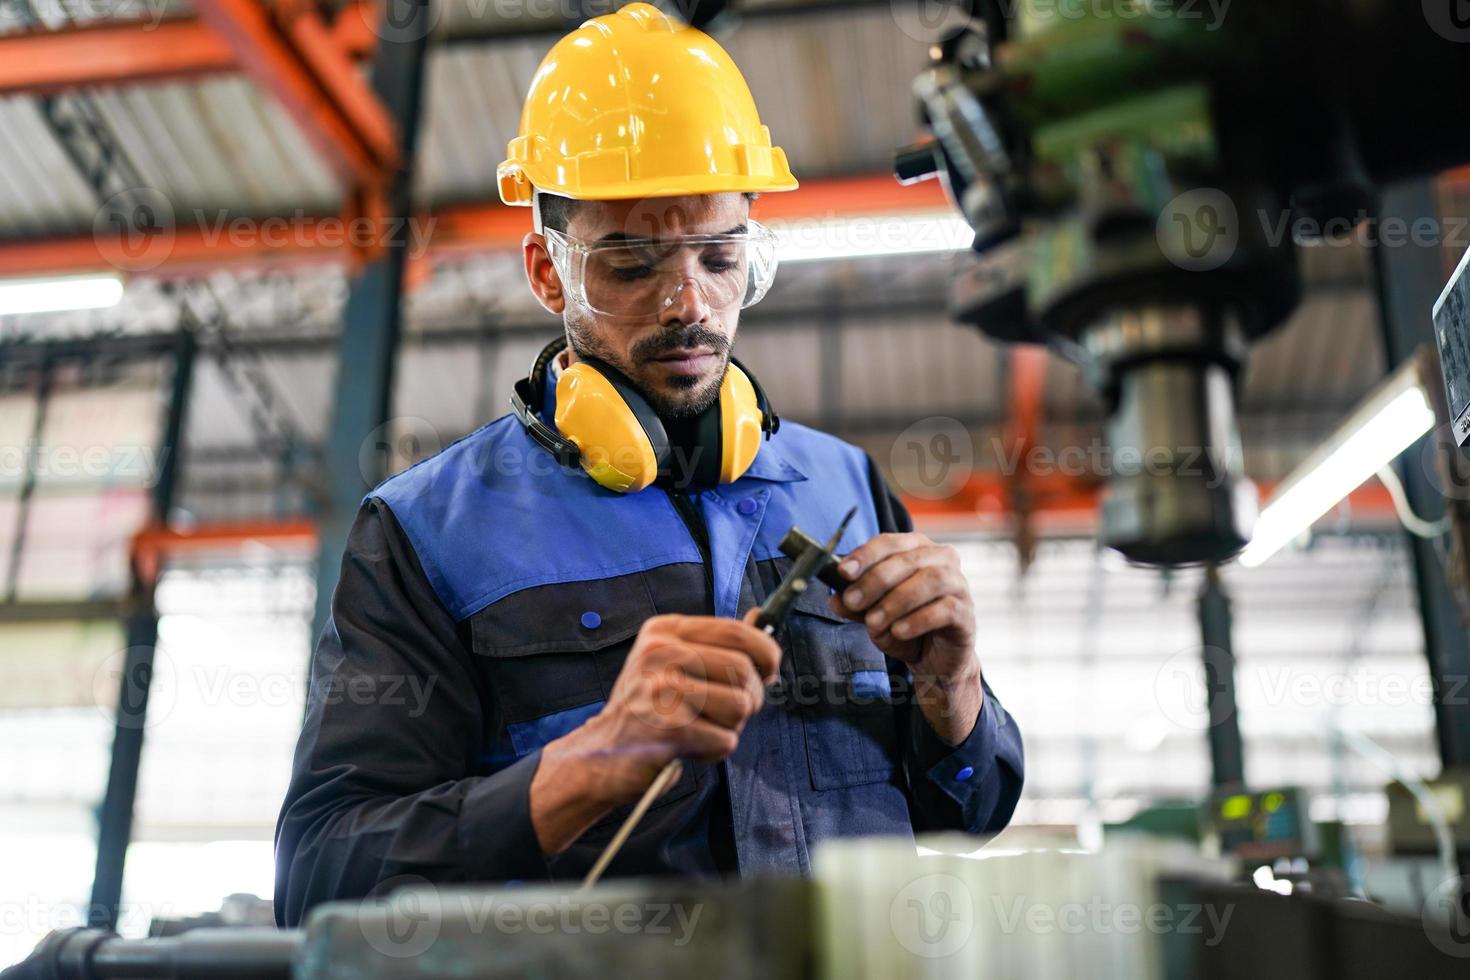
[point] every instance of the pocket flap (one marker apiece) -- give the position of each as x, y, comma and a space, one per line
814, 602
563, 617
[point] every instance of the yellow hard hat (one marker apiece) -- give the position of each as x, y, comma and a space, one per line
638, 104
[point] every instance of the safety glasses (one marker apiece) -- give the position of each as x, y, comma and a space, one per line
640, 278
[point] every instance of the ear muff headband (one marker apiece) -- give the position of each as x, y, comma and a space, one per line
605, 425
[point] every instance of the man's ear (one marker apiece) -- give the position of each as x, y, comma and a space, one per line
541, 274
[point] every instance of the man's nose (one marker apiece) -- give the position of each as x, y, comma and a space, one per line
688, 305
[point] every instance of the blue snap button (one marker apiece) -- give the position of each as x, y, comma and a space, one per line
746, 506
965, 773
591, 620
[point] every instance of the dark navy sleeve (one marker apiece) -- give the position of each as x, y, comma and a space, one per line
973, 786
387, 785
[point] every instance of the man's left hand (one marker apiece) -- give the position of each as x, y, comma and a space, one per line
916, 604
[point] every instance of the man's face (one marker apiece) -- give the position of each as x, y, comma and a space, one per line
677, 355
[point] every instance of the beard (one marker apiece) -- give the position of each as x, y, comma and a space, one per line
678, 397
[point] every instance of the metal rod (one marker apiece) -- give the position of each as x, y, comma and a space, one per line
1227, 751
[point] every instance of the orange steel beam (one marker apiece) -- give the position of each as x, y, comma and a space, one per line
471, 228
986, 497
290, 53
182, 252
155, 543
113, 54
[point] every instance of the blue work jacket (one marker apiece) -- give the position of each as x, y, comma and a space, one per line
487, 600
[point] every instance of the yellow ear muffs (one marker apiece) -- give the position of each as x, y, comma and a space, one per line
605, 426
741, 424
617, 449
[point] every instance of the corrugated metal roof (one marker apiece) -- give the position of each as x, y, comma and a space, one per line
215, 148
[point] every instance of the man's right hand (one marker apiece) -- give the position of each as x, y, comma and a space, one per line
688, 687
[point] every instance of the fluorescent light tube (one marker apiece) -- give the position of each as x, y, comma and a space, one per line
864, 237
66, 293
1391, 420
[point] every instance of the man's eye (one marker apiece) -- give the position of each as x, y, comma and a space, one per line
631, 273
719, 265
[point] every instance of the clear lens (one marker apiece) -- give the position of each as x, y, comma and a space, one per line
640, 278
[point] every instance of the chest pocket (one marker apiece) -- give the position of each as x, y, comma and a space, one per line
551, 655
840, 690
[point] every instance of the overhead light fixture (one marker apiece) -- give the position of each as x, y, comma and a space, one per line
866, 237
1389, 421
64, 293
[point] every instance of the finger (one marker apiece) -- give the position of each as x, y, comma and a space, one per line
882, 577
835, 603
703, 740
716, 665
946, 612
732, 634
728, 707
855, 562
919, 589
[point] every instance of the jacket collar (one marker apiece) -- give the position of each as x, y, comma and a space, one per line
772, 462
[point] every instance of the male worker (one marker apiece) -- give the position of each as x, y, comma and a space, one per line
532, 623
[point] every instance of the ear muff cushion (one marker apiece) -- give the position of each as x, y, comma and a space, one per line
616, 448
740, 424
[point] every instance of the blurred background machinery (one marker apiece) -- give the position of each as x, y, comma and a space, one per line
252, 261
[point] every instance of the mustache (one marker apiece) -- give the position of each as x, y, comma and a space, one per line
682, 339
